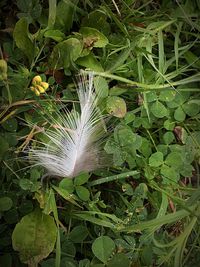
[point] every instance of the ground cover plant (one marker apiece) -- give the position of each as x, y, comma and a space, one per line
140, 209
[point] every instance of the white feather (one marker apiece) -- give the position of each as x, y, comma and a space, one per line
74, 140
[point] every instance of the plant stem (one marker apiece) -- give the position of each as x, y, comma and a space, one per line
113, 178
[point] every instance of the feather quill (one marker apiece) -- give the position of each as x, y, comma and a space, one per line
74, 140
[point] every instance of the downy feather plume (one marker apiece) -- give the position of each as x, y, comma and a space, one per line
75, 137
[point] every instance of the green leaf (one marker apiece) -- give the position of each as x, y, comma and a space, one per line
65, 53
81, 179
64, 15
4, 146
34, 237
23, 40
174, 159
56, 35
127, 189
67, 184
10, 125
5, 203
29, 185
119, 260
156, 159
116, 106
169, 125
167, 95
168, 138
179, 114
93, 35
78, 234
159, 110
191, 109
125, 137
170, 173
82, 192
101, 87
103, 248
90, 62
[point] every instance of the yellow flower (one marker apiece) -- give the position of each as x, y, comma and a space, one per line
44, 85
37, 79
40, 89
38, 86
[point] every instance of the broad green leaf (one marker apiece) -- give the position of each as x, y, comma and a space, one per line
82, 192
65, 53
116, 106
169, 125
81, 179
125, 137
174, 159
67, 184
29, 185
98, 21
103, 248
191, 109
90, 62
5, 203
94, 36
159, 110
119, 260
156, 159
170, 173
179, 114
64, 15
34, 237
168, 138
23, 40
167, 95
56, 35
78, 234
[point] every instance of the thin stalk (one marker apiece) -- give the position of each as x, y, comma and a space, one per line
113, 178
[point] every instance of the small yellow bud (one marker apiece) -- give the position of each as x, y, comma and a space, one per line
44, 85
40, 89
36, 79
32, 88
